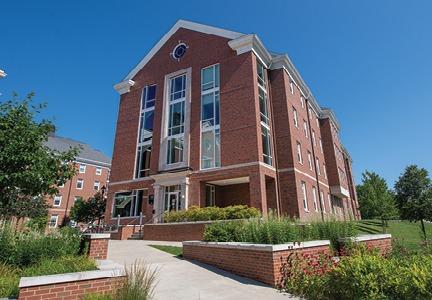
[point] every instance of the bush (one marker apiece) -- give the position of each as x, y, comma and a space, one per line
365, 275
26, 248
37, 224
277, 231
195, 213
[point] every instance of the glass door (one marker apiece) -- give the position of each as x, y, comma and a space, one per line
173, 198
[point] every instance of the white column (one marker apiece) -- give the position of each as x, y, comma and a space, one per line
158, 203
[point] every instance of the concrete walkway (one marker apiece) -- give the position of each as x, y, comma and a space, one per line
182, 279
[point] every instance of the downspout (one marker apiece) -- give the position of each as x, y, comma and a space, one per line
314, 159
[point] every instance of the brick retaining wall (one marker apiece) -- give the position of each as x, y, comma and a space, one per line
176, 232
72, 285
256, 261
381, 242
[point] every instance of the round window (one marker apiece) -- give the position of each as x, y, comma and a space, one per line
179, 51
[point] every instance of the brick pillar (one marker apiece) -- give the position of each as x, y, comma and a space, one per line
97, 245
257, 192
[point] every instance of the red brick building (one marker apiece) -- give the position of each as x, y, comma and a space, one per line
211, 117
93, 169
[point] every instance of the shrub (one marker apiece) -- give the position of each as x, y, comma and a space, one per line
365, 275
195, 213
277, 231
26, 248
37, 224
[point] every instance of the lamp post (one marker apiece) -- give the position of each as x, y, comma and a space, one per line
2, 74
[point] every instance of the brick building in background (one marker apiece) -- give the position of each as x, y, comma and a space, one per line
93, 170
211, 117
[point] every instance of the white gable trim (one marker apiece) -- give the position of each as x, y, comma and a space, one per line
181, 24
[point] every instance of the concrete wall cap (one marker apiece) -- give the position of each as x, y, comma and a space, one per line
366, 237
96, 236
259, 247
69, 277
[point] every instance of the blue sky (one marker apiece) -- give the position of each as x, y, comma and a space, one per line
370, 61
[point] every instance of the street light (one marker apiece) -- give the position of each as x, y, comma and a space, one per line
2, 74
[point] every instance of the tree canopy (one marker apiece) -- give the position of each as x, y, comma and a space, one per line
86, 211
29, 170
376, 200
414, 195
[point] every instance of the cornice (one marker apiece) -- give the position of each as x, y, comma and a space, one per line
124, 86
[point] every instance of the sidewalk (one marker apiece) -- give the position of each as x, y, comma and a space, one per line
182, 279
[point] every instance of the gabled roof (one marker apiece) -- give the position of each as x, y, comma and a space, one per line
181, 24
87, 154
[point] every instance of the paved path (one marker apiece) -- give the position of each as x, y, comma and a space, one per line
182, 279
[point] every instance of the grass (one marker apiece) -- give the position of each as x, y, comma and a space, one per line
174, 250
408, 233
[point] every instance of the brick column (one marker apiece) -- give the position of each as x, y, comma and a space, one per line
97, 245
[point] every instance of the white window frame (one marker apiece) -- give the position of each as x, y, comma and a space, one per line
315, 200
304, 192
292, 87
82, 168
321, 145
313, 138
299, 153
295, 116
163, 154
214, 129
59, 197
82, 184
310, 160
325, 170
318, 165
98, 171
322, 201
306, 129
265, 124
148, 140
330, 203
56, 221
302, 101
96, 183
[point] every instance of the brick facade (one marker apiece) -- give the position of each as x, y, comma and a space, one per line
243, 176
97, 245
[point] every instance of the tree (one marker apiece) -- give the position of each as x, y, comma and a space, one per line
414, 196
88, 211
28, 169
375, 198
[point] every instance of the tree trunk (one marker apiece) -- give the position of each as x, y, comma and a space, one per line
423, 229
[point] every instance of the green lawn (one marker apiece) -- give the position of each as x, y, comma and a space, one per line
407, 232
174, 250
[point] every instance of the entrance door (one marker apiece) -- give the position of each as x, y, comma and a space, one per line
173, 199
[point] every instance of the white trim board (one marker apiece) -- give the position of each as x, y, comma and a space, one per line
181, 24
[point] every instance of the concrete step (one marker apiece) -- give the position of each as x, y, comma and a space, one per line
136, 236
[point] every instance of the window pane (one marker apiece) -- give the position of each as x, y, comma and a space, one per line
143, 161
122, 204
146, 126
265, 134
217, 76
217, 148
207, 79
175, 150
176, 118
207, 110
207, 150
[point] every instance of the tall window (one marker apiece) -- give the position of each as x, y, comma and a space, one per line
82, 168
310, 160
295, 116
128, 204
210, 195
53, 221
80, 184
303, 187
325, 171
302, 101
148, 99
321, 146
210, 125
322, 201
264, 114
330, 203
318, 166
299, 154
314, 195
313, 138
292, 87
176, 119
305, 127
